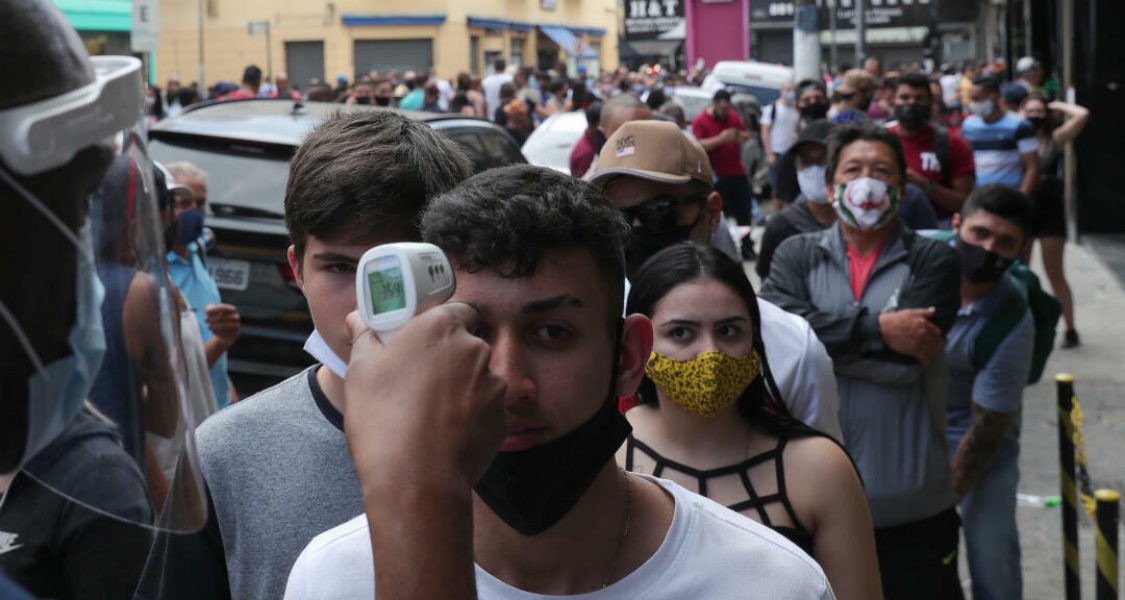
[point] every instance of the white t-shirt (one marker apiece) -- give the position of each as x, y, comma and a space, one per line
491, 87
950, 89
783, 126
708, 552
800, 366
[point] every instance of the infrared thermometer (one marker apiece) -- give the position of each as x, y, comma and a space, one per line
394, 282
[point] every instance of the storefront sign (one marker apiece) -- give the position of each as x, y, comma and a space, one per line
879, 13
647, 19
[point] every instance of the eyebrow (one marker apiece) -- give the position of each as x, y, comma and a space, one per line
726, 321
335, 257
549, 304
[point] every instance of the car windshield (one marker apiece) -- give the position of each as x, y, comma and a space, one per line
240, 183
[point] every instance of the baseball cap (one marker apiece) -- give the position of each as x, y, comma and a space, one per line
653, 150
1013, 93
815, 132
1026, 64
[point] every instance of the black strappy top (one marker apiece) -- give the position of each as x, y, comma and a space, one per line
798, 535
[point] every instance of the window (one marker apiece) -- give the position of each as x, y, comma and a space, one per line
517, 52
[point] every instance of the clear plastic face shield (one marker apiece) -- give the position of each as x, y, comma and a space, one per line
94, 363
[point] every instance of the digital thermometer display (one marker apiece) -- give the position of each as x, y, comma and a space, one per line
395, 282
388, 290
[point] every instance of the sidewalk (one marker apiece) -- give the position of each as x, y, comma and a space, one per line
1098, 367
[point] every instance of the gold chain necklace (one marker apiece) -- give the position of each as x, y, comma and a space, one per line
624, 530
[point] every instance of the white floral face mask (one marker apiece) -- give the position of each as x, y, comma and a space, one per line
866, 203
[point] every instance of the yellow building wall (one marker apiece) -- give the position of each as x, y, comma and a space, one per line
228, 46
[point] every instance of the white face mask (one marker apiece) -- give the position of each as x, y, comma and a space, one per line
811, 181
320, 350
981, 109
866, 203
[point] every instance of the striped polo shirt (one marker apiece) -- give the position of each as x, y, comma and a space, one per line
998, 147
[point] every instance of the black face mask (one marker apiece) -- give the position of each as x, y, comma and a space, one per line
659, 228
912, 116
532, 490
1037, 122
814, 111
363, 99
979, 265
382, 100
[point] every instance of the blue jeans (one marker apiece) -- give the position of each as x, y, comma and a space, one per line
988, 517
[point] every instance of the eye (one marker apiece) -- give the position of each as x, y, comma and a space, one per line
730, 331
552, 333
680, 333
340, 267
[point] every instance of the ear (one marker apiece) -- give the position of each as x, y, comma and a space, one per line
295, 266
714, 211
956, 223
636, 346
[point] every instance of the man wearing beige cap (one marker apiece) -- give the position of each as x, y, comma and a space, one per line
661, 179
851, 98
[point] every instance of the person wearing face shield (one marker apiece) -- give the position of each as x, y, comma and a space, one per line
880, 297
76, 517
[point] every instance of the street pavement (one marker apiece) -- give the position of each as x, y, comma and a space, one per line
1095, 272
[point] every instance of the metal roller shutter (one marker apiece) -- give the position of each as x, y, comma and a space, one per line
304, 61
393, 55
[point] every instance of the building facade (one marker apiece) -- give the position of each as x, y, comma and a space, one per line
104, 26
322, 41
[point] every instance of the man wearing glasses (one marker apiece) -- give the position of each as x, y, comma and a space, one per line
661, 179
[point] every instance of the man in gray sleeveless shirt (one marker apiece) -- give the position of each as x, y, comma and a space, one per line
276, 465
881, 299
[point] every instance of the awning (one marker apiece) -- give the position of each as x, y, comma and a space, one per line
655, 47
567, 39
561, 36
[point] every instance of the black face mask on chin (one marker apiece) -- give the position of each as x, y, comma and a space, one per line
814, 111
532, 490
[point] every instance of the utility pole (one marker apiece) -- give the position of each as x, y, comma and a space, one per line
832, 62
1070, 197
860, 33
202, 79
806, 41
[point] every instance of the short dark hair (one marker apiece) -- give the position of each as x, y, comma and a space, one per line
915, 81
843, 136
805, 85
594, 114
366, 176
1005, 202
499, 65
989, 83
506, 219
252, 75
721, 95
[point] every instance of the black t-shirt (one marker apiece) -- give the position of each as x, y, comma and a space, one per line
56, 547
795, 219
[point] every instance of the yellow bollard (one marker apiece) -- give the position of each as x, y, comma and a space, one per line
1109, 517
1069, 506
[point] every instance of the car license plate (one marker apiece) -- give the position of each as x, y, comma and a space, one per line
229, 274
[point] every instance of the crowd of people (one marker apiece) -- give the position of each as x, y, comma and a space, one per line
607, 406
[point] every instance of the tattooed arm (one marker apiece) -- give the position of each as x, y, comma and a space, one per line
978, 447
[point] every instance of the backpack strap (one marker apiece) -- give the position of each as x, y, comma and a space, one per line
941, 149
1002, 322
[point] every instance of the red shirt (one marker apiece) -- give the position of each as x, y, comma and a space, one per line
921, 158
239, 95
726, 159
860, 267
582, 155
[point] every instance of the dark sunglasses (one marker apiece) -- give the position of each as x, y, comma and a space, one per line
661, 214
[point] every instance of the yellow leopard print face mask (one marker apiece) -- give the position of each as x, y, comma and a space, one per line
706, 384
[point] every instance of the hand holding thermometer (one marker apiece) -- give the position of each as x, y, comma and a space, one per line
394, 282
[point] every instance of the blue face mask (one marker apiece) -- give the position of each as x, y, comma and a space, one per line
57, 391
191, 227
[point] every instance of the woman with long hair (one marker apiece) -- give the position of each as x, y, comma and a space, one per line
1049, 225
710, 418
